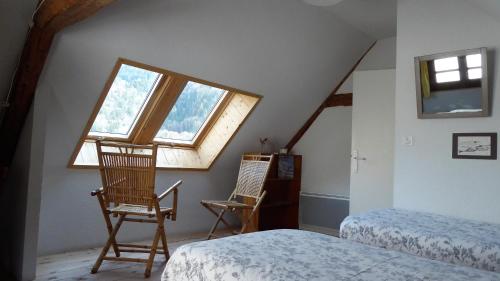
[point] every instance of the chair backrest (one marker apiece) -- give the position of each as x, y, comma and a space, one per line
252, 175
127, 172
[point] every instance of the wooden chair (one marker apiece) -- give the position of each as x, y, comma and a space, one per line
128, 179
251, 177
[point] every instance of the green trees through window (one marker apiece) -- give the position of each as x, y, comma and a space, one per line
125, 100
190, 112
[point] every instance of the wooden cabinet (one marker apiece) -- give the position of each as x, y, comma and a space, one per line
280, 208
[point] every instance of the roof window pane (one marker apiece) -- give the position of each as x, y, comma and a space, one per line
190, 112
473, 60
449, 76
131, 89
475, 73
450, 63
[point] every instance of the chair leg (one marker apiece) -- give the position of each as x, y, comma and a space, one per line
217, 215
152, 254
109, 226
255, 208
164, 241
107, 220
108, 245
219, 218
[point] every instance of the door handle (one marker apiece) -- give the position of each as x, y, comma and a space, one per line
359, 158
356, 158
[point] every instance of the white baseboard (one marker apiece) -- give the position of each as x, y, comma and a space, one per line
320, 229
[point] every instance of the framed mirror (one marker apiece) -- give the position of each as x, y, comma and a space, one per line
452, 84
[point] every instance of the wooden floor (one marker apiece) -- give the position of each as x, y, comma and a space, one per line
77, 265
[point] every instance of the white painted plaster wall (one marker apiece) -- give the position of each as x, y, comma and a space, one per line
381, 56
326, 146
326, 151
426, 177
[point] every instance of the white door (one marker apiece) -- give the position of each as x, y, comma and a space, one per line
372, 140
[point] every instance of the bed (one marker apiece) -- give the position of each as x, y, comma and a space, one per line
438, 237
294, 255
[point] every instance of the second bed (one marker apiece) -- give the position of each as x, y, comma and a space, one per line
459, 241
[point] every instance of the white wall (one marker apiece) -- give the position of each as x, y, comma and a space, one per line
290, 53
14, 194
326, 146
426, 177
326, 152
381, 56
20, 199
373, 138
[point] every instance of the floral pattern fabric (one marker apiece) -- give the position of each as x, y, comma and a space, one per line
294, 255
454, 240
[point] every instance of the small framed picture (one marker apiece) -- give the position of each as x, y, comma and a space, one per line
475, 146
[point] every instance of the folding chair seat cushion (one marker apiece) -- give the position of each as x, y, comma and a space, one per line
226, 204
138, 210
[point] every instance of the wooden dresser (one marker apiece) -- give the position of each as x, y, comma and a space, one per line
280, 208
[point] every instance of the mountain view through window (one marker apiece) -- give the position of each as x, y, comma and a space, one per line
126, 98
190, 112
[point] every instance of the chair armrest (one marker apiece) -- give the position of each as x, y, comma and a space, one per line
173, 188
169, 190
97, 191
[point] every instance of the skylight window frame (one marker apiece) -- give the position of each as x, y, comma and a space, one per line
155, 111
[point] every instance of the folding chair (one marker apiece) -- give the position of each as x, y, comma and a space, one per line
251, 177
128, 179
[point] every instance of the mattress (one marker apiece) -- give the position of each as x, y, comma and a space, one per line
294, 255
454, 240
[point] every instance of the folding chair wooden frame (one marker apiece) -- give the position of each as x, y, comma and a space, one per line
251, 177
128, 178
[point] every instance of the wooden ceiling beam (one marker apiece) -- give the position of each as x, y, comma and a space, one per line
324, 104
339, 100
51, 17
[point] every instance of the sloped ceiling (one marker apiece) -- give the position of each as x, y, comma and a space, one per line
490, 7
15, 16
376, 18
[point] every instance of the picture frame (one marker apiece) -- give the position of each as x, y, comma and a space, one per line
474, 146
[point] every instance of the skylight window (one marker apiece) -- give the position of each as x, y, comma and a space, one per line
475, 73
190, 120
190, 113
474, 64
447, 70
448, 76
125, 100
446, 64
473, 60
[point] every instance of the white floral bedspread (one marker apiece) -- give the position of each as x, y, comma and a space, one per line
294, 255
438, 237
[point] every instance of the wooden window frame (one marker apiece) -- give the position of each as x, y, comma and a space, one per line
156, 110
